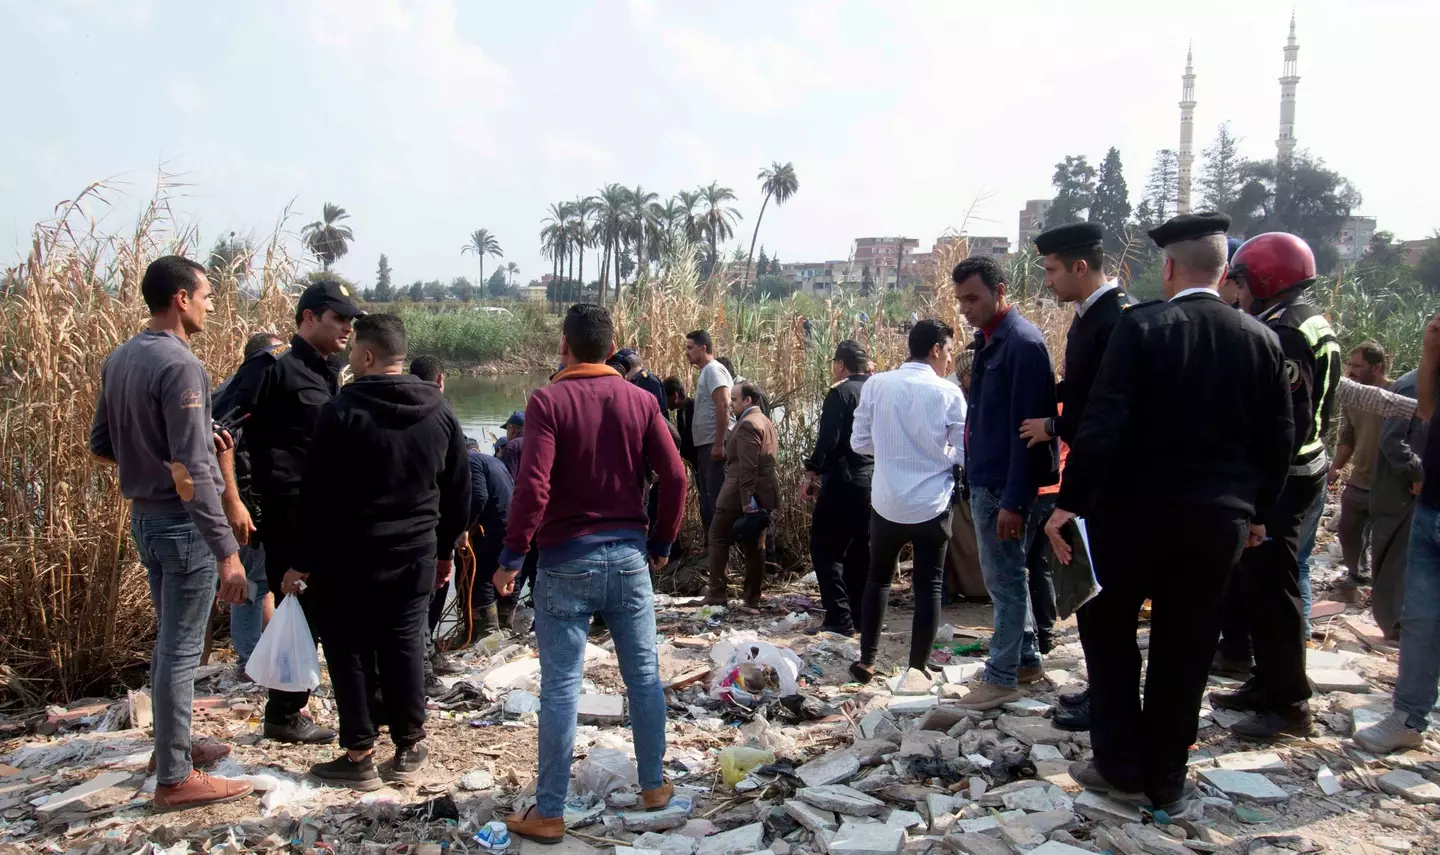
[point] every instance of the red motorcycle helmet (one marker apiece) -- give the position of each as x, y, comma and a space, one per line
1273, 263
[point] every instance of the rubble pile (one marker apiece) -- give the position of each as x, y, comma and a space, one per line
771, 750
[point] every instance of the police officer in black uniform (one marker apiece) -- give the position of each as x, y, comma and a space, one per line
283, 401
1271, 272
1184, 444
837, 479
1074, 257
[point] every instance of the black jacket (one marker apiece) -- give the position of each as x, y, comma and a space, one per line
1084, 348
834, 459
684, 419
491, 489
387, 480
655, 386
1190, 408
283, 399
227, 399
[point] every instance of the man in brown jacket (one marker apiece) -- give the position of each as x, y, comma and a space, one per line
750, 488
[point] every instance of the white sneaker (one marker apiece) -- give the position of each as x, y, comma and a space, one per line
1392, 734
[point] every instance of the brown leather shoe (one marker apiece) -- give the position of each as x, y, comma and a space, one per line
199, 789
201, 754
532, 826
1030, 673
658, 798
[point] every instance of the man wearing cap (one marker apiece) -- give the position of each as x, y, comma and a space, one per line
1074, 258
837, 479
1183, 448
283, 400
514, 442
632, 368
1272, 272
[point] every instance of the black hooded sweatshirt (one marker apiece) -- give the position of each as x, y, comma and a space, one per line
386, 481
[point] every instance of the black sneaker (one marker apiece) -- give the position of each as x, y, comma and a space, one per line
299, 731
434, 688
1267, 726
445, 666
408, 762
1084, 773
847, 631
1074, 699
344, 772
1247, 698
1076, 718
1239, 669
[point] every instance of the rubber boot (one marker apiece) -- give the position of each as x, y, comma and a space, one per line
486, 620
504, 609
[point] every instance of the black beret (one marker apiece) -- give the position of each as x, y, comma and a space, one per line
1068, 237
1189, 227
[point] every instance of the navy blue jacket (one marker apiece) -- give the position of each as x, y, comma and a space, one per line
1012, 381
491, 488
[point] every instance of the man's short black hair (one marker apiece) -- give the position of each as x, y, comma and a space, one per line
383, 333
748, 389
427, 368
702, 338
1093, 256
853, 354
260, 341
928, 333
673, 386
990, 272
726, 363
165, 277
589, 332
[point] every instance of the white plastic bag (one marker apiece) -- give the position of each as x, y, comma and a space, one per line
604, 771
739, 648
285, 658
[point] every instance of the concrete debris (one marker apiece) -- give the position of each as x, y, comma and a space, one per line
1056, 848
1409, 786
904, 819
1101, 808
841, 799
833, 768
1337, 680
908, 705
879, 724
929, 744
913, 682
737, 841
869, 839
978, 844
945, 716
811, 817
1252, 761
1032, 730
1245, 786
1027, 707
602, 710
1154, 842
665, 819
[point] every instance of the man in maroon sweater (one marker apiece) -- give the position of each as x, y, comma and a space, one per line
580, 493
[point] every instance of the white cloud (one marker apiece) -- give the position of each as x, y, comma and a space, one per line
185, 95
570, 150
764, 76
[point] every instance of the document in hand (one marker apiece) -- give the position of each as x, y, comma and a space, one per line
1075, 583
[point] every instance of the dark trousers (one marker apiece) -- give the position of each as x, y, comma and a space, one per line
709, 478
373, 629
487, 561
1354, 531
437, 608
840, 550
1037, 575
1179, 559
283, 541
1269, 582
722, 537
930, 539
1389, 539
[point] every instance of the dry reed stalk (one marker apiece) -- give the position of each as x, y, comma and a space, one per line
74, 611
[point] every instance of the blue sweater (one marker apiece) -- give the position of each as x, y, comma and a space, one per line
1012, 381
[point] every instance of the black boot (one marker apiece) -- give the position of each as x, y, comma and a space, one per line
299, 730
485, 620
1273, 724
344, 772
1247, 698
1075, 718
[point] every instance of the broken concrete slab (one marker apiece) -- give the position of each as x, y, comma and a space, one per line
996, 797
904, 819
812, 818
1101, 808
737, 841
602, 710
1027, 707
512, 675
878, 724
872, 752
978, 844
1251, 761
1337, 680
1244, 786
1031, 730
674, 816
833, 768
1051, 847
1040, 752
911, 705
1329, 659
1154, 842
519, 702
1410, 786
1034, 799
1042, 823
869, 839
568, 846
842, 799
913, 682
946, 716
930, 744
103, 790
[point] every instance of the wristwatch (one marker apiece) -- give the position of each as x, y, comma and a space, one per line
1050, 427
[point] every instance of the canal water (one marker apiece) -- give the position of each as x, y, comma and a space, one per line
482, 404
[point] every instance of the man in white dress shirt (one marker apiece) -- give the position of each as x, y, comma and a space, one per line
913, 421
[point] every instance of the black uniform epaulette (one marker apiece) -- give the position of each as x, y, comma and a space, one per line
279, 350
1130, 307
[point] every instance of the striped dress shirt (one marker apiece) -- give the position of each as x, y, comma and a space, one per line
913, 422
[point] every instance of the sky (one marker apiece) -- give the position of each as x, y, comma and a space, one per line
428, 119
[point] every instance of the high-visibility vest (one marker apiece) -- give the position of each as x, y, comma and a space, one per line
1318, 333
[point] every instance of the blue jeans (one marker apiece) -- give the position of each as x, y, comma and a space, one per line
183, 581
614, 580
1308, 528
1415, 689
1003, 564
247, 620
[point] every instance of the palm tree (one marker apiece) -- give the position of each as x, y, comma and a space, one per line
642, 225
610, 217
686, 200
512, 268
583, 215
482, 243
779, 182
718, 220
326, 237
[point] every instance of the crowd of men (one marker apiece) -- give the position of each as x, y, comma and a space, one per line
1187, 433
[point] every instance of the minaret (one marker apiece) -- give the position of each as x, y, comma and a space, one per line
1285, 145
1187, 131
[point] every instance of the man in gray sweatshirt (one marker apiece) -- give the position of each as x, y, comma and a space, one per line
153, 420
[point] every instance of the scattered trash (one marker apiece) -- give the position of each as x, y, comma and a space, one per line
494, 836
737, 761
604, 771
